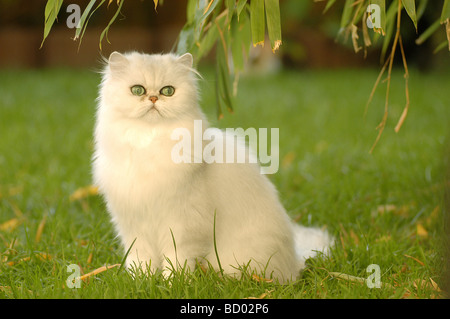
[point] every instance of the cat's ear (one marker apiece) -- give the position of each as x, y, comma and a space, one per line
117, 62
186, 59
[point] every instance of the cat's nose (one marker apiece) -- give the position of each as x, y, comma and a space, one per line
153, 98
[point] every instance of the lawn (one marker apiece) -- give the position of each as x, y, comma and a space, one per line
384, 208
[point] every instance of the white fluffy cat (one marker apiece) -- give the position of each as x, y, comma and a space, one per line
167, 209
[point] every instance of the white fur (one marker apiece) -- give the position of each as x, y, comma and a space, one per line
160, 205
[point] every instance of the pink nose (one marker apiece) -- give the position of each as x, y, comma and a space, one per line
153, 98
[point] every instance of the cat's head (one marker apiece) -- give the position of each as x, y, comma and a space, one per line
151, 87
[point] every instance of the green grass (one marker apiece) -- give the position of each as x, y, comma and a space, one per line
384, 208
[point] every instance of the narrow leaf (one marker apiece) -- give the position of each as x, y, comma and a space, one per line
329, 4
272, 8
428, 32
441, 46
85, 23
51, 13
410, 7
257, 20
240, 6
207, 42
421, 7
236, 46
105, 31
447, 30
190, 11
185, 39
246, 32
231, 6
81, 24
224, 74
445, 11
202, 13
346, 13
209, 9
390, 22
445, 18
218, 99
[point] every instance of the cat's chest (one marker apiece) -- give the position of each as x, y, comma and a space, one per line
135, 161
138, 149
141, 176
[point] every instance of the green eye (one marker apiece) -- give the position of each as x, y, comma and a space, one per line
167, 90
137, 90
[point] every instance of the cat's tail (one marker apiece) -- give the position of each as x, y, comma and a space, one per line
309, 241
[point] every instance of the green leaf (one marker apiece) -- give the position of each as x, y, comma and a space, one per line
240, 6
81, 28
445, 11
202, 15
218, 98
186, 39
428, 32
445, 18
329, 4
223, 78
51, 13
257, 20
357, 16
346, 13
237, 46
272, 8
441, 46
231, 6
105, 31
207, 42
203, 11
87, 21
191, 8
390, 22
245, 32
210, 37
421, 7
410, 7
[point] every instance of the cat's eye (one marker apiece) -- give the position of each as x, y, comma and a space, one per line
167, 90
137, 90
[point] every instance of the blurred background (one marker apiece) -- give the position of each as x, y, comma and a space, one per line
309, 35
315, 87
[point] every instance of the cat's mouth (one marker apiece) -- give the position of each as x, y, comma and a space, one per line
153, 109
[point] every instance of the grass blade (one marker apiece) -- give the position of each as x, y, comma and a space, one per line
122, 262
215, 245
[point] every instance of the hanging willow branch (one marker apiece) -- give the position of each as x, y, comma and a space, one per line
234, 24
355, 11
